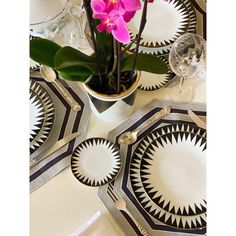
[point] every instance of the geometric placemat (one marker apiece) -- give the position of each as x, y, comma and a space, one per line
122, 183
66, 122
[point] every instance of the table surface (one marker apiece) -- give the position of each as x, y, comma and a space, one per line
63, 204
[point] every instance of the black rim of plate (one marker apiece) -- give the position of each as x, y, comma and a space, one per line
85, 179
189, 27
164, 214
44, 128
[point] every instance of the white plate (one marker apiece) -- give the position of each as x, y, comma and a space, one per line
165, 23
41, 115
40, 10
95, 162
168, 175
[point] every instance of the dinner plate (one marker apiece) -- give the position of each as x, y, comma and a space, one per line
41, 115
150, 82
96, 162
165, 23
167, 174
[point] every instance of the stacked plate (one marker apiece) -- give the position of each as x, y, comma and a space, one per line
168, 175
165, 23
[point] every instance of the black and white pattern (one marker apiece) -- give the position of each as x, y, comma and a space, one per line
196, 224
167, 174
96, 162
150, 82
165, 23
41, 115
66, 122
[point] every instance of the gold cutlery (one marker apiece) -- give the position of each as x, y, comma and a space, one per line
131, 136
50, 76
120, 205
197, 120
55, 147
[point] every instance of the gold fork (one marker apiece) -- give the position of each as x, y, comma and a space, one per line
120, 205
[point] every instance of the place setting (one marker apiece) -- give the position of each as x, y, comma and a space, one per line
58, 123
152, 180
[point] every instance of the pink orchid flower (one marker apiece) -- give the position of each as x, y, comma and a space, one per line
114, 15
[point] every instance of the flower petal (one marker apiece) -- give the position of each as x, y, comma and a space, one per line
120, 32
128, 15
98, 7
131, 5
101, 27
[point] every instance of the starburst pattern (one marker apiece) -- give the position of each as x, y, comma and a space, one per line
155, 42
37, 114
41, 114
144, 161
96, 162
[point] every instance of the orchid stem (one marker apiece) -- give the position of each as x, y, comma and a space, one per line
110, 75
118, 66
141, 27
89, 18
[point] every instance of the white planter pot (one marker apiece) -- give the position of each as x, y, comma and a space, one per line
113, 107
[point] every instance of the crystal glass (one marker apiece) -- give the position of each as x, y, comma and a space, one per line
67, 30
187, 57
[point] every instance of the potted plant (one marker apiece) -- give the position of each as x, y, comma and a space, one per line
111, 74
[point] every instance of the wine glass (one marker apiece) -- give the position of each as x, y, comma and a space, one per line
68, 30
77, 12
187, 57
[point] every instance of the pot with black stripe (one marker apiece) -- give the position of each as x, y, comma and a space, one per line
113, 107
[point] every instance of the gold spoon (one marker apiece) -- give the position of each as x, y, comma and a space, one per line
49, 75
131, 136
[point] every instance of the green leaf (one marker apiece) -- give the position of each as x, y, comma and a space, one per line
77, 71
145, 62
69, 54
80, 67
43, 51
70, 77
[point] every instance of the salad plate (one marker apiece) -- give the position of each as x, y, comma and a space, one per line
41, 115
167, 174
96, 162
165, 23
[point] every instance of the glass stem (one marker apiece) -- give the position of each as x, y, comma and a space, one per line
80, 26
181, 84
